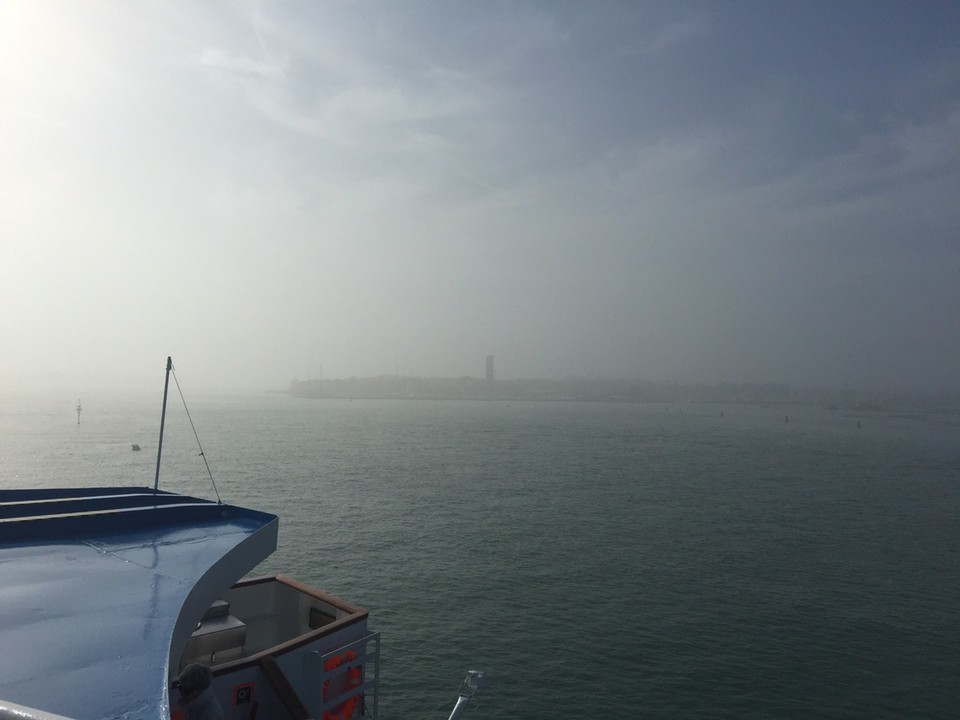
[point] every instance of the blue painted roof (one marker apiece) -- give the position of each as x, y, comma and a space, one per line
95, 585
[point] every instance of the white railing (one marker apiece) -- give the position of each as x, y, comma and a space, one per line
367, 651
12, 711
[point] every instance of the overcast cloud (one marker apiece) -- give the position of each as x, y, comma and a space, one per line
678, 191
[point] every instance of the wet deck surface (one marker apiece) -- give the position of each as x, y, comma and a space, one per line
89, 600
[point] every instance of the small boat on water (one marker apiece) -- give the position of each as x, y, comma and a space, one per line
135, 447
107, 594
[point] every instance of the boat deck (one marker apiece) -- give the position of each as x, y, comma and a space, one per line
97, 585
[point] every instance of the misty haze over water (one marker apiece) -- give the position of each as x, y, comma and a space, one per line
676, 192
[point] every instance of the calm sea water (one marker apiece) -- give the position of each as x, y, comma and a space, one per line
595, 560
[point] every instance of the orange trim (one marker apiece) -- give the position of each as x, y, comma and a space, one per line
344, 711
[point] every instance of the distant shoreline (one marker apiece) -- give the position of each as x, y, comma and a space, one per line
392, 387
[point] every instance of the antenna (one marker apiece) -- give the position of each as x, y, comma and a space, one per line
163, 416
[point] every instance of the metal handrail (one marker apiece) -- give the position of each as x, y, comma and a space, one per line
370, 660
474, 681
12, 711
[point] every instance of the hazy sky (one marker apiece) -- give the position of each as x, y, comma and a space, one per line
743, 191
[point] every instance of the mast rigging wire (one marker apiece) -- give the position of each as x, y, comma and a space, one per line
197, 436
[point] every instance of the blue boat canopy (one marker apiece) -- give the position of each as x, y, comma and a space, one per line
100, 589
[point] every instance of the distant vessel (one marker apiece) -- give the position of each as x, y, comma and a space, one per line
135, 447
79, 410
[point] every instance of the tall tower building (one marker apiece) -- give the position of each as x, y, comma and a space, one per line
489, 367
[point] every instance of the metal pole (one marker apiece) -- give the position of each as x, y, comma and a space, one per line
163, 416
474, 681
459, 707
